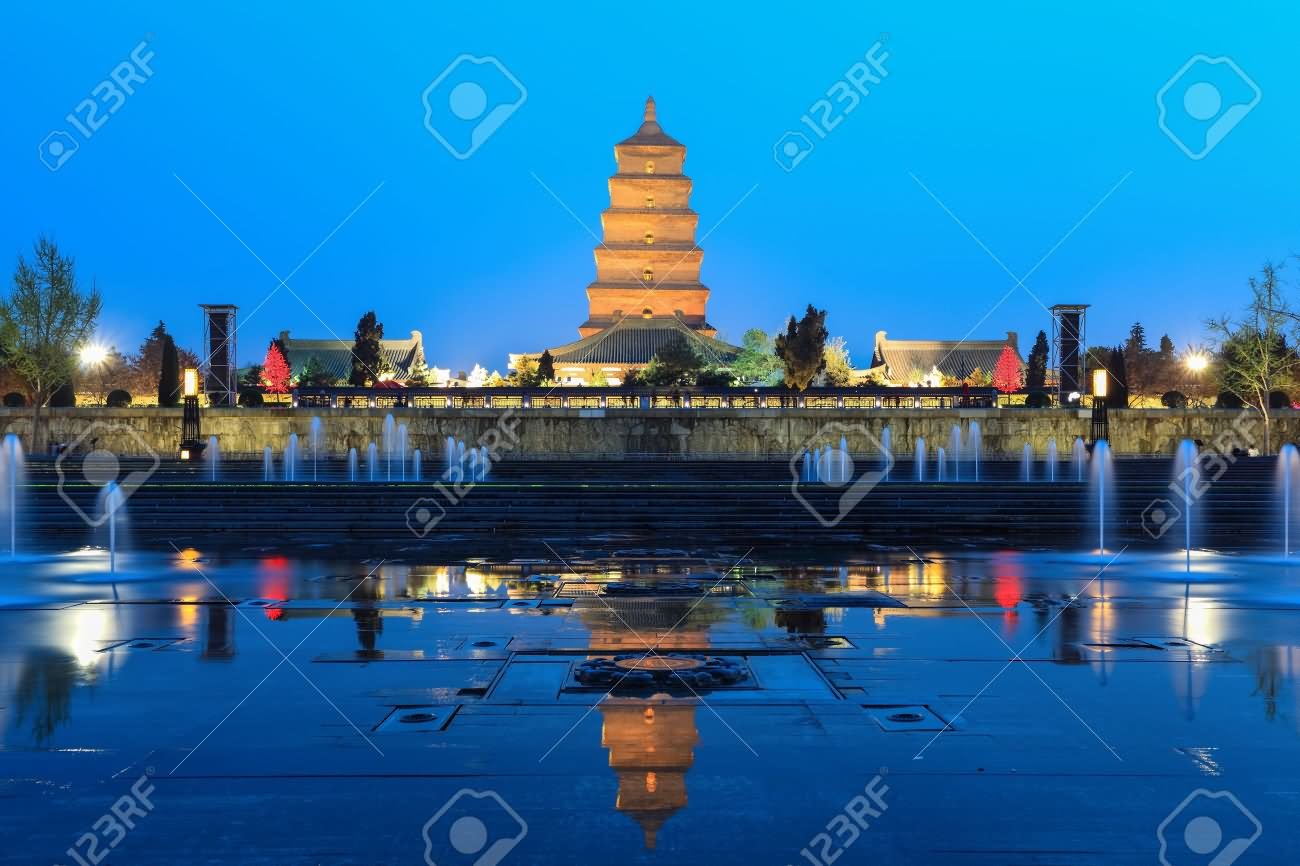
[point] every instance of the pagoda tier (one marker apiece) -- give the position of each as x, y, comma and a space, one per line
648, 264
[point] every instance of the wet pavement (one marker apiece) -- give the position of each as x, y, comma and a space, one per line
933, 706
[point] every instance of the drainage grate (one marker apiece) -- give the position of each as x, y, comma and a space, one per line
417, 719
905, 717
146, 644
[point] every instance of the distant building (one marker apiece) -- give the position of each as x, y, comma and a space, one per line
929, 362
335, 357
647, 290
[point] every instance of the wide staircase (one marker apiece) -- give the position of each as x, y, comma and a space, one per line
659, 500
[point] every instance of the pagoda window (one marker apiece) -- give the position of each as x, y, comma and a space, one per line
650, 201
649, 166
647, 313
649, 238
648, 274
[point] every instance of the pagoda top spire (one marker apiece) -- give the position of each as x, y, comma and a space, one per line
651, 134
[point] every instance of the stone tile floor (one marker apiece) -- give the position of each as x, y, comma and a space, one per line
972, 708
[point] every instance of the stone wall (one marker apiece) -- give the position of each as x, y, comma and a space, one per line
702, 433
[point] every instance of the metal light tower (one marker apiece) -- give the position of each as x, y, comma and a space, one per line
220, 376
1069, 342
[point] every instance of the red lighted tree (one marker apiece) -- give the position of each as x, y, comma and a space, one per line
1007, 376
275, 371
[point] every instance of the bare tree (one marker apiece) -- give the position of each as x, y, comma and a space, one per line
43, 322
1254, 358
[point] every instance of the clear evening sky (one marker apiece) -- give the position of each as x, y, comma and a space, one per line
1020, 118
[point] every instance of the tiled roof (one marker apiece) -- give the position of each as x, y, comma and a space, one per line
633, 340
651, 133
335, 356
955, 358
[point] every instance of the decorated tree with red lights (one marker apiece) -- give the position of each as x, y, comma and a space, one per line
275, 371
1007, 376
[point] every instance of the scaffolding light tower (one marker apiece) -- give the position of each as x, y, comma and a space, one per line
1069, 345
219, 367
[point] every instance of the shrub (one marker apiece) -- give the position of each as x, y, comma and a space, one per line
1228, 400
1173, 400
250, 398
14, 400
1038, 400
118, 399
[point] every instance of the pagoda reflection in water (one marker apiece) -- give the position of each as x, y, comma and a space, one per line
651, 746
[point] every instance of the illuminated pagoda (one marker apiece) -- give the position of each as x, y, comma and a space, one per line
647, 291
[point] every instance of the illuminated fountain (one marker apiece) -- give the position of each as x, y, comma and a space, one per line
1080, 458
268, 464
1051, 459
212, 454
1186, 474
11, 479
1100, 487
390, 444
1027, 463
954, 447
401, 450
974, 444
315, 443
372, 462
291, 458
112, 508
940, 464
1288, 467
919, 458
415, 465
352, 464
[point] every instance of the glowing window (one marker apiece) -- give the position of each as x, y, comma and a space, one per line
650, 201
649, 238
648, 274
647, 313
649, 166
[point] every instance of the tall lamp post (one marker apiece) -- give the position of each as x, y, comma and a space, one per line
1100, 422
191, 441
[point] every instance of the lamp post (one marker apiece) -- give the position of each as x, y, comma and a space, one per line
191, 443
1196, 363
1100, 422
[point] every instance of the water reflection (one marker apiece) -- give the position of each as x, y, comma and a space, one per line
651, 747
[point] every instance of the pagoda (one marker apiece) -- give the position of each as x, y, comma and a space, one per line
647, 290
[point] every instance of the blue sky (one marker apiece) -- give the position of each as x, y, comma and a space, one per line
1019, 120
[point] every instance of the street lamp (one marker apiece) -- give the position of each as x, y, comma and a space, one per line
1100, 421
191, 443
1196, 362
92, 355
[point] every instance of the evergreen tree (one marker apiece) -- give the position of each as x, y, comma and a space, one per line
676, 363
314, 375
1036, 370
838, 372
525, 374
1135, 360
1117, 386
169, 373
546, 366
802, 348
418, 375
367, 355
1166, 346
